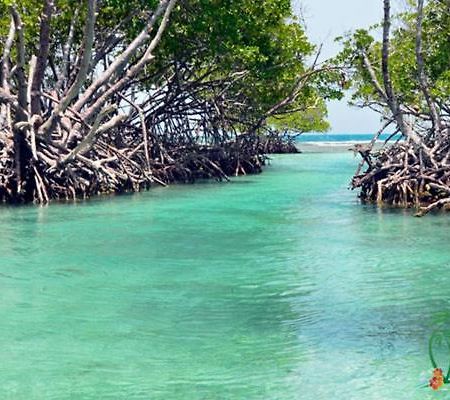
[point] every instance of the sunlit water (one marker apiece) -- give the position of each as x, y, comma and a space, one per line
276, 286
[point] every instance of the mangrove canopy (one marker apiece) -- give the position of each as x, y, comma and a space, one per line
102, 96
405, 76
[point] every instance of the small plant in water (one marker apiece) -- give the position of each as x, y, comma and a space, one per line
438, 339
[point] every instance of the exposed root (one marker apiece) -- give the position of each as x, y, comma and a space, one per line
403, 174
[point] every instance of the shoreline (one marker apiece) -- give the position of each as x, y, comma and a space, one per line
332, 147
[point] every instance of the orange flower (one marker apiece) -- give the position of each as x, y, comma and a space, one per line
437, 379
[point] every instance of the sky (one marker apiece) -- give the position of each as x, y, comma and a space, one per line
325, 20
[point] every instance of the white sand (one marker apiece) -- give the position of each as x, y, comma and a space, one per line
330, 147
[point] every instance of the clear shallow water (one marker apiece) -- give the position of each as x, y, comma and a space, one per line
277, 286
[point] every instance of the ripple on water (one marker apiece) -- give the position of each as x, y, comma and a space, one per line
278, 287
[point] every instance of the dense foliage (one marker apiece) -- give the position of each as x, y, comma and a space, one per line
262, 41
402, 60
406, 78
101, 96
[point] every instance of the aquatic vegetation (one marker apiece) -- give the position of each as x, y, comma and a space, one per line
438, 339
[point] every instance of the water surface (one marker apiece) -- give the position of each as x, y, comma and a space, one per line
276, 286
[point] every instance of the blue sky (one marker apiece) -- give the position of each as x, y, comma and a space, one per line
325, 20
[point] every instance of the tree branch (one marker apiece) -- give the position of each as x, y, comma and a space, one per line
42, 57
123, 59
437, 125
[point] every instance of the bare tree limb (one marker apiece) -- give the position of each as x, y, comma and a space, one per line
135, 69
64, 69
123, 59
42, 56
82, 73
20, 70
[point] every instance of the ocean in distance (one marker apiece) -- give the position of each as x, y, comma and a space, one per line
341, 137
338, 142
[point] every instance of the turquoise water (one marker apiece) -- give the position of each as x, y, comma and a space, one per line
276, 286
